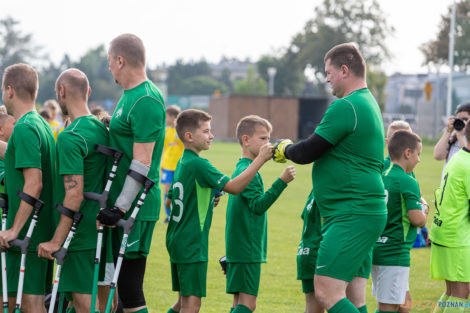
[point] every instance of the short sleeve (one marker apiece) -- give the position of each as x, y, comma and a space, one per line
71, 152
467, 184
208, 176
411, 195
147, 118
27, 145
339, 121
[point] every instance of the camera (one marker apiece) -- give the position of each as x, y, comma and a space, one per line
459, 124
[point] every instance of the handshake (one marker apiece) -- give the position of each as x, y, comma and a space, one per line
279, 150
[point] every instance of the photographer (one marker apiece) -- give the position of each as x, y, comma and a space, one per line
453, 138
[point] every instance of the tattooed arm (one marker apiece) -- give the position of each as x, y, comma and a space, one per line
32, 186
73, 198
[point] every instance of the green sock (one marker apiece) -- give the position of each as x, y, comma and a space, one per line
455, 305
440, 303
343, 306
363, 309
241, 309
171, 311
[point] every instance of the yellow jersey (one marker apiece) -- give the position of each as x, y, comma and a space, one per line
172, 149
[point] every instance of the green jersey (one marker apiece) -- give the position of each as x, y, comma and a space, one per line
32, 145
451, 226
192, 202
246, 228
76, 155
139, 117
311, 238
347, 178
388, 164
402, 195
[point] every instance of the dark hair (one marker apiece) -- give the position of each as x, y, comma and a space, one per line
23, 79
463, 107
45, 114
400, 141
189, 121
247, 126
348, 55
173, 110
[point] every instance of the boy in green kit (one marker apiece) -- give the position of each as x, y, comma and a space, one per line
307, 253
192, 201
246, 229
391, 254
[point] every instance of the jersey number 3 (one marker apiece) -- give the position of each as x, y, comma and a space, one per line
178, 202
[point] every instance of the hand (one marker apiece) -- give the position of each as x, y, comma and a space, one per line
110, 217
279, 149
289, 174
46, 249
7, 236
216, 200
265, 152
424, 206
450, 124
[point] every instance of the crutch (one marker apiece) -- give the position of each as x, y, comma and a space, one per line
102, 199
24, 244
4, 205
60, 255
127, 226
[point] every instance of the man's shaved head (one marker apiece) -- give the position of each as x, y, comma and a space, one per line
75, 82
130, 47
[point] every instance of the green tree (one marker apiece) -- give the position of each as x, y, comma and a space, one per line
181, 71
251, 85
201, 85
15, 46
376, 82
437, 51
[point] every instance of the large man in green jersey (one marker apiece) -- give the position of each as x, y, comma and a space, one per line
347, 148
450, 231
30, 167
137, 128
82, 169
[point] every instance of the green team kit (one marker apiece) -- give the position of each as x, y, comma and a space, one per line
192, 200
309, 244
31, 145
348, 187
139, 117
402, 195
77, 156
246, 231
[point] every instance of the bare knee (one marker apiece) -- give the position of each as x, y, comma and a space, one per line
356, 291
247, 300
328, 290
33, 303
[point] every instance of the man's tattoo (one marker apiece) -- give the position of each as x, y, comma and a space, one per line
70, 183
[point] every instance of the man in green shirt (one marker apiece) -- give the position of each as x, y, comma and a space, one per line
192, 200
347, 147
246, 229
450, 231
30, 166
137, 128
82, 168
307, 253
391, 255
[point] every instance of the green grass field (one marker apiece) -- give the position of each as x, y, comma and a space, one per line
279, 289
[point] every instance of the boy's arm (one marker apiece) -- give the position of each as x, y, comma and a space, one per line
260, 201
236, 185
411, 194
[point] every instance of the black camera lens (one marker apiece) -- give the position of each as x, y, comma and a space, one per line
458, 124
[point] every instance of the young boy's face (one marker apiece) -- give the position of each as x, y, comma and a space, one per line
259, 138
202, 137
413, 159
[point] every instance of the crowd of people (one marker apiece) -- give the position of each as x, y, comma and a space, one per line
360, 219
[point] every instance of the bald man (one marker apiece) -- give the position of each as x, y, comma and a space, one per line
137, 128
30, 167
81, 168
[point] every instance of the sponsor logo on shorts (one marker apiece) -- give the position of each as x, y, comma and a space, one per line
303, 251
132, 243
382, 239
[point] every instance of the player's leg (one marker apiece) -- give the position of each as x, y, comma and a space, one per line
243, 279
356, 293
405, 307
390, 284
81, 302
190, 304
176, 307
33, 303
311, 303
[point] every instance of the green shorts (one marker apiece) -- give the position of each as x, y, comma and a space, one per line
366, 266
307, 286
306, 265
138, 242
450, 263
346, 245
37, 276
243, 277
189, 278
81, 262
